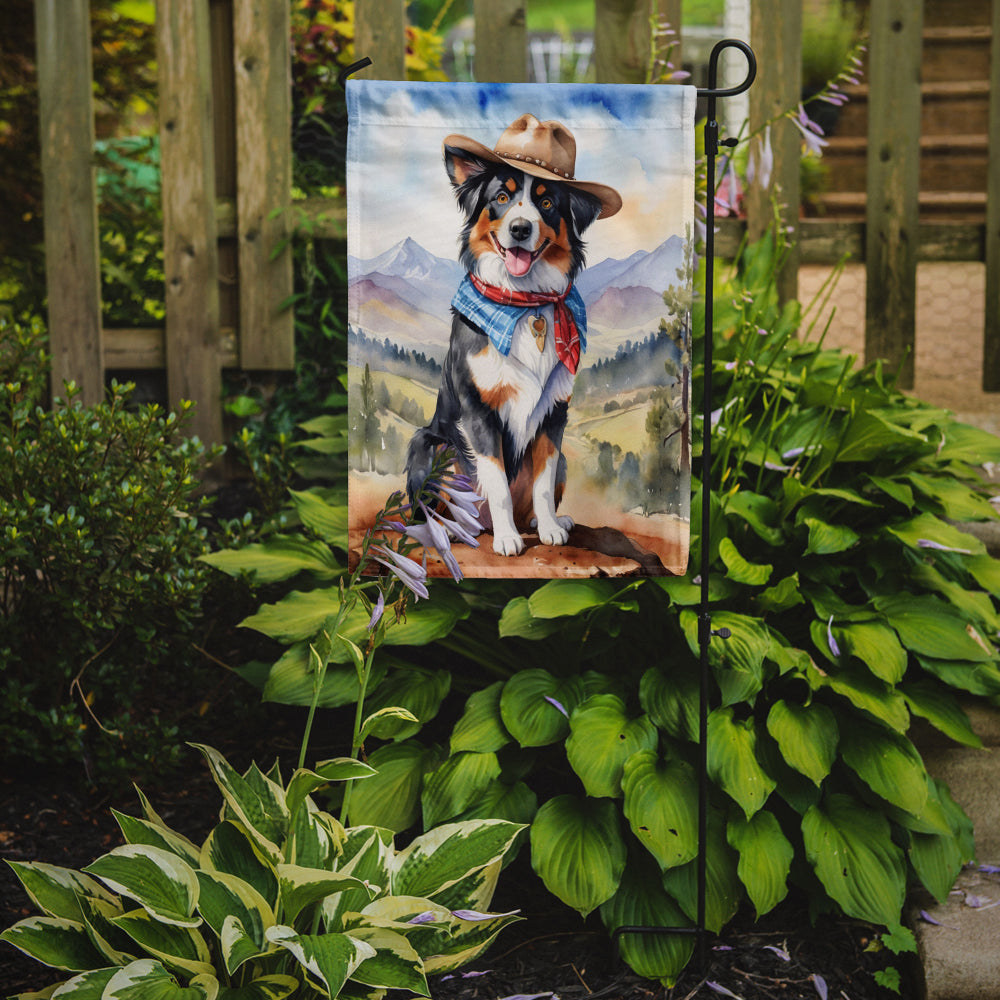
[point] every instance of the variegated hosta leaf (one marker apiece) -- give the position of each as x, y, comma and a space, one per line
225, 897
602, 737
177, 947
642, 902
481, 727
395, 964
147, 979
888, 763
765, 858
456, 784
850, 847
275, 987
256, 801
661, 805
578, 851
158, 880
300, 887
86, 986
367, 853
732, 760
230, 849
468, 939
54, 941
535, 706
328, 959
476, 890
807, 736
315, 838
441, 857
304, 782
116, 946
141, 831
56, 891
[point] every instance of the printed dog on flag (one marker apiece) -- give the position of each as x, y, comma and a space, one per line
518, 329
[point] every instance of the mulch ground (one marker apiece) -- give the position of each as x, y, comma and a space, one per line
552, 952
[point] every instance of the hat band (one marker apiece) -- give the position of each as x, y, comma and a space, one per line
531, 159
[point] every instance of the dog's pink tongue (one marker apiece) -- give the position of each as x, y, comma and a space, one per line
518, 261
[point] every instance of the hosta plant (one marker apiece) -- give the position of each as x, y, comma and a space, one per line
279, 900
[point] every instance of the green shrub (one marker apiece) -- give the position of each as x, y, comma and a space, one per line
101, 584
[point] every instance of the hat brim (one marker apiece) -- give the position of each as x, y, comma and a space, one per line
610, 199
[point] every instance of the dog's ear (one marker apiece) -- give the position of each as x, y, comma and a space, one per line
585, 208
461, 165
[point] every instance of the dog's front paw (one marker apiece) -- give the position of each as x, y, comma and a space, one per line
508, 544
555, 531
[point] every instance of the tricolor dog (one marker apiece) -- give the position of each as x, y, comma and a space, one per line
518, 327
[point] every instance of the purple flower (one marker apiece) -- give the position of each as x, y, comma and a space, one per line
475, 915
427, 917
811, 132
552, 701
820, 983
831, 642
761, 163
409, 573
927, 543
719, 988
780, 952
377, 611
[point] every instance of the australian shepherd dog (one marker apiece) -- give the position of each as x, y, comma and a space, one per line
518, 327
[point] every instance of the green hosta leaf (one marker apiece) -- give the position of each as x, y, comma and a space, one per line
260, 809
866, 692
602, 738
391, 798
965, 443
783, 595
888, 763
517, 620
279, 558
661, 798
395, 964
941, 709
275, 987
641, 901
937, 858
516, 803
578, 851
850, 848
159, 881
292, 680
327, 520
54, 941
559, 598
876, 646
931, 628
671, 700
765, 858
230, 849
304, 782
732, 760
330, 959
443, 856
738, 569
301, 887
976, 678
226, 898
528, 710
723, 889
828, 539
147, 979
56, 891
141, 831
807, 736
738, 661
975, 605
180, 948
456, 784
481, 728
986, 572
758, 511
957, 501
417, 690
870, 435
387, 723
928, 528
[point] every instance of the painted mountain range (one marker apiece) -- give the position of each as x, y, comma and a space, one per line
405, 294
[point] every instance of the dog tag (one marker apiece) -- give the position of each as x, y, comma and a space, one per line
539, 325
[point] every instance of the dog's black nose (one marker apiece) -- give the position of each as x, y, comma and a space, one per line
520, 229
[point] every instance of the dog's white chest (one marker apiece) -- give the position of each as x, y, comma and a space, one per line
534, 342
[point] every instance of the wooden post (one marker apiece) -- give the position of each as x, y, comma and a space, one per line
776, 35
380, 34
262, 60
72, 255
991, 332
623, 37
501, 41
893, 184
190, 253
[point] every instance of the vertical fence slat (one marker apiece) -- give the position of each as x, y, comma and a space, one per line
261, 56
622, 40
501, 41
893, 183
72, 257
380, 34
776, 34
190, 253
991, 332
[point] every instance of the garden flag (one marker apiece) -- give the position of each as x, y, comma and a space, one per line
519, 263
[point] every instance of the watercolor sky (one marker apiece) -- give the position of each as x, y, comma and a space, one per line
639, 140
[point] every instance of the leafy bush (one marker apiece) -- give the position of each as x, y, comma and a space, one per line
279, 899
99, 546
854, 604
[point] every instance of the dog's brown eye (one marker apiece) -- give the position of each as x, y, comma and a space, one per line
546, 203
503, 198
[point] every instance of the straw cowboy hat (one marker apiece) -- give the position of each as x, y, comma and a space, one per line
542, 149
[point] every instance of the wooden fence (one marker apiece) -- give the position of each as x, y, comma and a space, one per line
226, 160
